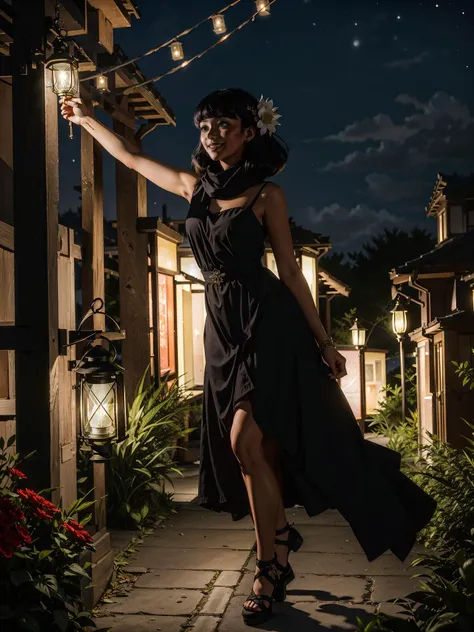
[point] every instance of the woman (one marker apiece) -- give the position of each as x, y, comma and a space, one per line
276, 430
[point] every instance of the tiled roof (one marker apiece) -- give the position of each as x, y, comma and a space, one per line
453, 255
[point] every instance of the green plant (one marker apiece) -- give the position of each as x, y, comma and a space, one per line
443, 602
141, 462
341, 328
40, 548
389, 411
402, 437
465, 372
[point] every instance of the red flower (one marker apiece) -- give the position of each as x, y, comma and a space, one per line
42, 508
14, 472
12, 534
78, 531
23, 533
9, 512
6, 549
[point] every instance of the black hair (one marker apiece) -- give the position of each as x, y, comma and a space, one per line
264, 156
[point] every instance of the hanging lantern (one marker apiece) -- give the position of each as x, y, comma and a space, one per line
100, 388
102, 83
218, 23
263, 7
101, 397
399, 318
65, 73
177, 52
358, 334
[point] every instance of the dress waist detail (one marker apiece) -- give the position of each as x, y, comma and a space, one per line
221, 275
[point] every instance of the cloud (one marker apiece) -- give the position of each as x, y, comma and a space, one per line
384, 188
441, 129
404, 64
349, 228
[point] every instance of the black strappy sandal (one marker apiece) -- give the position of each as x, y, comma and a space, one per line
287, 575
255, 617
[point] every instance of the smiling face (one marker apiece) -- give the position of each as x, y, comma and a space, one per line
224, 138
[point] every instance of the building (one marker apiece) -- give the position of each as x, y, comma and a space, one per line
443, 279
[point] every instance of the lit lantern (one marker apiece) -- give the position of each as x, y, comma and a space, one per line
218, 23
101, 397
399, 319
358, 334
177, 52
263, 7
102, 83
65, 73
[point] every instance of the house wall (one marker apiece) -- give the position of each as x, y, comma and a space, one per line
441, 293
6, 155
459, 399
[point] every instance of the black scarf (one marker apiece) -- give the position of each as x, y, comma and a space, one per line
228, 184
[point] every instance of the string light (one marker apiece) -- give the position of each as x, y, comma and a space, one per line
218, 23
157, 48
177, 52
102, 83
134, 86
263, 7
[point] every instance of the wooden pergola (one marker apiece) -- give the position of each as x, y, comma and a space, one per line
41, 253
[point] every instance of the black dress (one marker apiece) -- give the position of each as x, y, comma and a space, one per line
259, 346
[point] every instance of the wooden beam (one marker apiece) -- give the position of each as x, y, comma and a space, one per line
113, 11
36, 193
93, 284
133, 269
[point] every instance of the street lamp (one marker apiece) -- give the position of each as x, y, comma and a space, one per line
399, 326
100, 388
358, 340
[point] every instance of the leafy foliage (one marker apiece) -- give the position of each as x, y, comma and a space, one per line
40, 549
141, 462
389, 412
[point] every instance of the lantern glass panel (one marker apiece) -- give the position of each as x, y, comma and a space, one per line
102, 82
263, 7
65, 78
99, 407
219, 24
177, 51
399, 321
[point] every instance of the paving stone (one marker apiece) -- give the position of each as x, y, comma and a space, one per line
328, 539
206, 519
217, 600
315, 588
186, 485
129, 623
170, 602
182, 498
340, 564
303, 617
386, 588
228, 578
175, 579
392, 609
330, 517
191, 559
201, 538
205, 624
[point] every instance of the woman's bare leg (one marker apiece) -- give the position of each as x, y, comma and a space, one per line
262, 487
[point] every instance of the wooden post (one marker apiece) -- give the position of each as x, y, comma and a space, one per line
133, 269
93, 286
35, 187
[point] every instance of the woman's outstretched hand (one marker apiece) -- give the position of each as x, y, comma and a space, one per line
336, 362
74, 110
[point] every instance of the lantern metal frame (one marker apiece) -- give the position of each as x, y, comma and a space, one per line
218, 24
97, 365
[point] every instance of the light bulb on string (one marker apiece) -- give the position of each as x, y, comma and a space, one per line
177, 52
218, 23
102, 83
263, 7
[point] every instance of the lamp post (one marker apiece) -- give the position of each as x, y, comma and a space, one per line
358, 340
399, 326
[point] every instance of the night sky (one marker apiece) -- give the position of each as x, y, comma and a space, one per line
375, 97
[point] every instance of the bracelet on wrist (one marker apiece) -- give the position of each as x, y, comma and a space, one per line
329, 342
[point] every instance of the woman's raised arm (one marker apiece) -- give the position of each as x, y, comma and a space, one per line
178, 181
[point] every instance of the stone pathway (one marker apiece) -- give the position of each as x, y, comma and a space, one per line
196, 570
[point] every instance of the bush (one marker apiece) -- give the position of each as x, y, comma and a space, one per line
40, 547
389, 412
141, 462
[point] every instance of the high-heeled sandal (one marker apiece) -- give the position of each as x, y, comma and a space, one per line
287, 575
255, 617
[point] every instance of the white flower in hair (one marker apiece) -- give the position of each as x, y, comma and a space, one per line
267, 116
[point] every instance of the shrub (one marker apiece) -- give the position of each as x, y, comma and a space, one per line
389, 411
141, 462
40, 547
